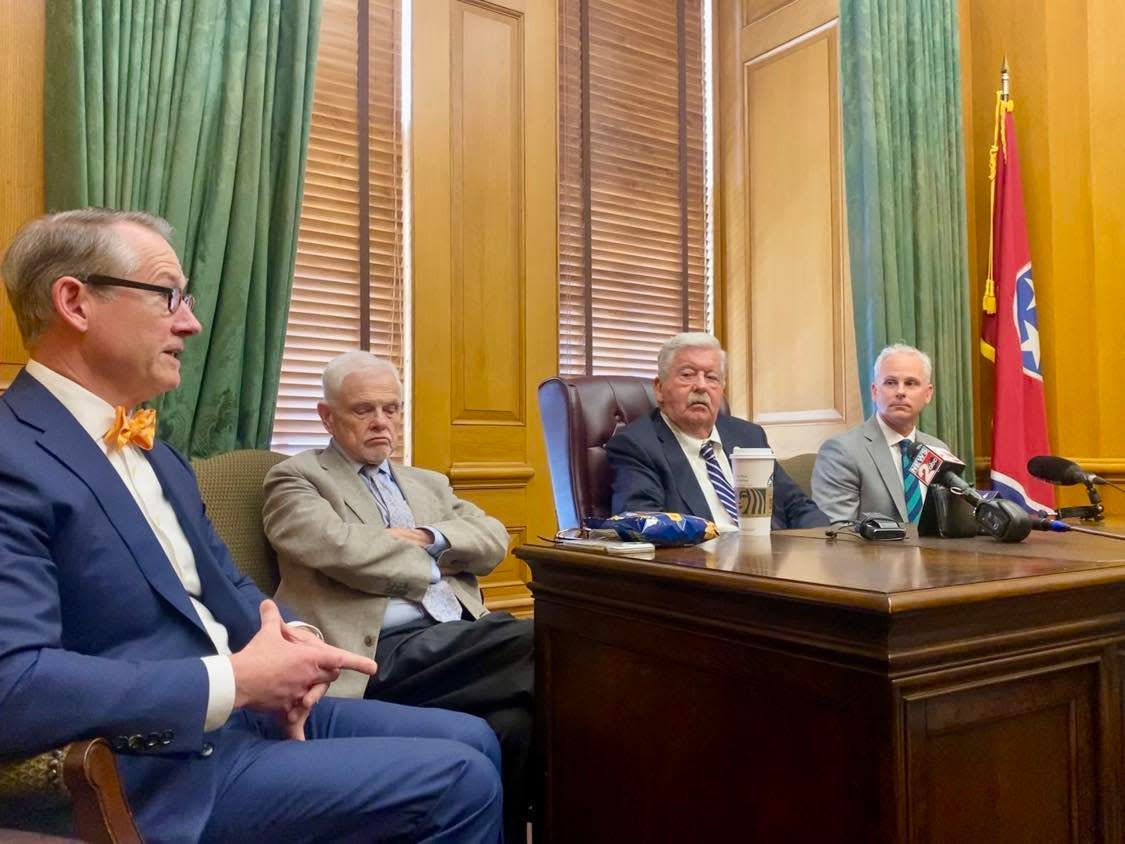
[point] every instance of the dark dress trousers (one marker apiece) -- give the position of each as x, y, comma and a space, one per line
652, 473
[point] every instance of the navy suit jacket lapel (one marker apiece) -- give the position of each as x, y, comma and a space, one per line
730, 432
64, 439
682, 474
730, 435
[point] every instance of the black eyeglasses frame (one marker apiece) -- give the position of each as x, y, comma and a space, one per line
175, 295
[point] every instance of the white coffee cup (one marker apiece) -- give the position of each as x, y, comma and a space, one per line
753, 481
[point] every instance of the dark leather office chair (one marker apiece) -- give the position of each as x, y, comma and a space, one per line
579, 415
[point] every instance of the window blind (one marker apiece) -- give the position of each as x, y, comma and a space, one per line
633, 191
348, 282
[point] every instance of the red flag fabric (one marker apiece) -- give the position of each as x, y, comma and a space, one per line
1010, 338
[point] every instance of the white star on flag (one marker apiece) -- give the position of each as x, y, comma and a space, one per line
1031, 344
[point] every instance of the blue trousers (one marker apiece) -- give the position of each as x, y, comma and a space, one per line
369, 771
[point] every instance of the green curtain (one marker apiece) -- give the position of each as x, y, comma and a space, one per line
905, 183
199, 111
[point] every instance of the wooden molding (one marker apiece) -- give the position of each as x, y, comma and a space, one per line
490, 475
799, 417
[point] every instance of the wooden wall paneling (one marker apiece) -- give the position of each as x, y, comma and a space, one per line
795, 235
1070, 111
732, 293
484, 224
22, 34
487, 191
755, 10
1067, 297
786, 289
1106, 62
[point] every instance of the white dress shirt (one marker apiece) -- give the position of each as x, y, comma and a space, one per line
893, 438
96, 417
691, 446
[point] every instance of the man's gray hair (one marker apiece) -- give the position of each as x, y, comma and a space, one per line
77, 243
357, 360
689, 340
904, 349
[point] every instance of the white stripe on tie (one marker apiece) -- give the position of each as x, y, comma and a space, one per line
723, 489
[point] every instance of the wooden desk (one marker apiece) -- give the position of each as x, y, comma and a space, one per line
802, 689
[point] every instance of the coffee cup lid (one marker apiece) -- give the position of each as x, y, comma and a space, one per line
753, 452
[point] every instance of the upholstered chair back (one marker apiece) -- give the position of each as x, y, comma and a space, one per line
231, 487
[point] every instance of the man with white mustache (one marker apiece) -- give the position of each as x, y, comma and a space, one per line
664, 462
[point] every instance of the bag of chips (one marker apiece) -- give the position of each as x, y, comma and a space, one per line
661, 529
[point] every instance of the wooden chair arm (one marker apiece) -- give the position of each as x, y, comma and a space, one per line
101, 812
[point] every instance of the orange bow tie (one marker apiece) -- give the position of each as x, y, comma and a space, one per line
138, 429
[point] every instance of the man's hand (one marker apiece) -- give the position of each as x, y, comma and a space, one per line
415, 536
295, 718
286, 670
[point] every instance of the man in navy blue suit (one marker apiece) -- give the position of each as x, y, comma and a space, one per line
122, 615
677, 459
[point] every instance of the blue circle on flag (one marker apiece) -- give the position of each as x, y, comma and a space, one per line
1027, 323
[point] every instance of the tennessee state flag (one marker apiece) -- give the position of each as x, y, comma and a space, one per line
1010, 332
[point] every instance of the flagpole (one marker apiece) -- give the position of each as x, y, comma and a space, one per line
988, 300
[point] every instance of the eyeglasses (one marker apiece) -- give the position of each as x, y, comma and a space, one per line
176, 295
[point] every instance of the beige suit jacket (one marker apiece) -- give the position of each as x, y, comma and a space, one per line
338, 563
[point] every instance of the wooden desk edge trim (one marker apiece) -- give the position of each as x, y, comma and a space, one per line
877, 602
990, 590
890, 603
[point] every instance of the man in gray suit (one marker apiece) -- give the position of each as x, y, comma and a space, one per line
384, 560
861, 470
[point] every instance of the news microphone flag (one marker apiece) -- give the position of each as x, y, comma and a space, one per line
1010, 328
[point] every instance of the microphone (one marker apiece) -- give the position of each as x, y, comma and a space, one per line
1059, 470
934, 466
1004, 520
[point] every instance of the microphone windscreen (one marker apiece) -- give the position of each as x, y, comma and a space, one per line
1055, 470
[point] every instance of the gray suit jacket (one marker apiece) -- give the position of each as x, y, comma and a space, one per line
339, 565
855, 473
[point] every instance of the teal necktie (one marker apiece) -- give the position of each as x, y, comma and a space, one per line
910, 487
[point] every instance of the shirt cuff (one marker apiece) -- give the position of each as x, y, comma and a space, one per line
220, 691
440, 543
311, 627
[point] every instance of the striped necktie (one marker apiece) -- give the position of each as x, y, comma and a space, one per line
440, 601
911, 490
719, 481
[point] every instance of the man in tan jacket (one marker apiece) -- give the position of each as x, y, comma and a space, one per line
384, 560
